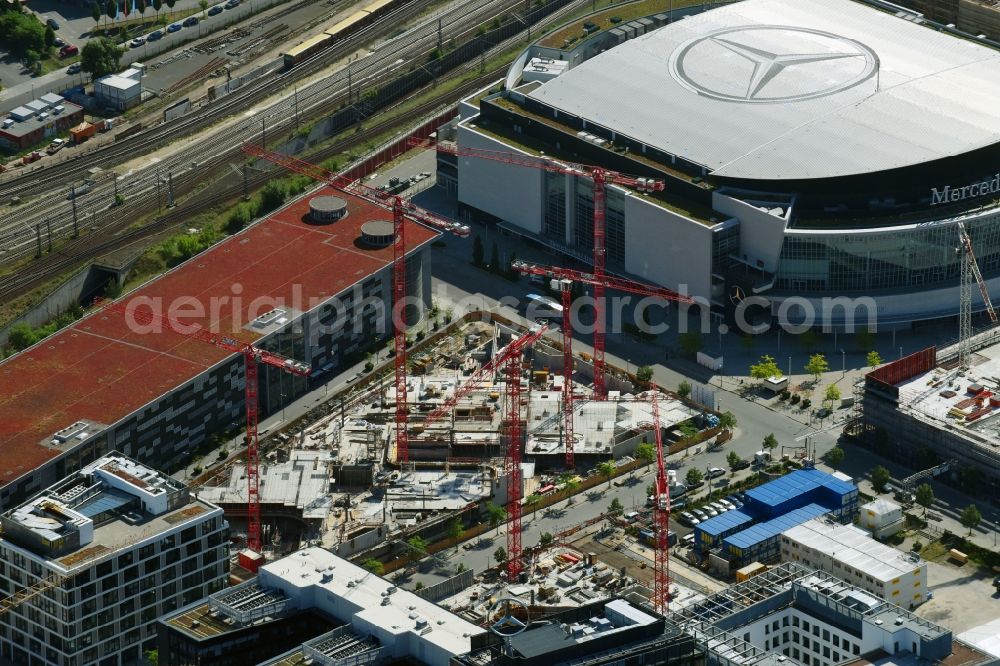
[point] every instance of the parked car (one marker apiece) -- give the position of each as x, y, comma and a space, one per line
232, 3
735, 501
174, 27
688, 539
709, 511
699, 514
74, 68
687, 518
68, 50
215, 10
59, 41
719, 506
52, 23
715, 472
155, 35
676, 505
138, 41
190, 21
727, 504
55, 146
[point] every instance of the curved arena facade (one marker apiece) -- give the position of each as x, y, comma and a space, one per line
812, 148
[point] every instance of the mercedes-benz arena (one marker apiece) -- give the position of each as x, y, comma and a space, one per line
817, 148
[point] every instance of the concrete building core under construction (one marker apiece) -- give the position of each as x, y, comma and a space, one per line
929, 410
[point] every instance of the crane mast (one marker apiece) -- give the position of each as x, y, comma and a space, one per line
401, 210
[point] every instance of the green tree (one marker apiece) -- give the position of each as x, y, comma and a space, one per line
880, 478
545, 540
532, 501
734, 460
694, 476
495, 258
111, 9
50, 37
687, 429
95, 12
770, 442
970, 518
925, 496
607, 470
152, 657
646, 452
100, 56
684, 389
157, 6
417, 546
170, 3
495, 514
21, 33
21, 336
616, 507
817, 365
765, 368
834, 457
272, 196
691, 342
204, 5
374, 566
874, 359
644, 374
832, 395
477, 251
727, 421
500, 555
455, 528
571, 485
419, 586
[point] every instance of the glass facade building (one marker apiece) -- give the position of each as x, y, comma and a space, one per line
886, 259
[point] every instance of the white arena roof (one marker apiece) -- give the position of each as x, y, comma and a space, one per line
791, 89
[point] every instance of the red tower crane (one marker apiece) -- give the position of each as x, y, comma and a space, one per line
566, 277
401, 209
515, 348
602, 178
661, 517
512, 461
253, 357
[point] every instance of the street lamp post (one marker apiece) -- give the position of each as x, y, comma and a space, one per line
843, 359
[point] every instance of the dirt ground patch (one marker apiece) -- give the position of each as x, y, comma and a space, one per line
964, 597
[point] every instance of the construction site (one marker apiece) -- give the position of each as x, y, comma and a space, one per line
337, 481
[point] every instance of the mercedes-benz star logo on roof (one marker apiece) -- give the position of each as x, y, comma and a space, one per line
768, 64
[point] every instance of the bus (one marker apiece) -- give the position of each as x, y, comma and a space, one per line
541, 307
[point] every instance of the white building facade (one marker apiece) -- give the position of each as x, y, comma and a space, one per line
110, 548
849, 553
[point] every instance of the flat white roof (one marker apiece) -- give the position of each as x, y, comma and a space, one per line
853, 546
791, 89
308, 573
120, 82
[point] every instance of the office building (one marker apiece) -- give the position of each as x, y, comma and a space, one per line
848, 552
106, 551
349, 612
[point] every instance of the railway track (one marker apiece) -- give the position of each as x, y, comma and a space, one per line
42, 180
19, 228
116, 236
19, 231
